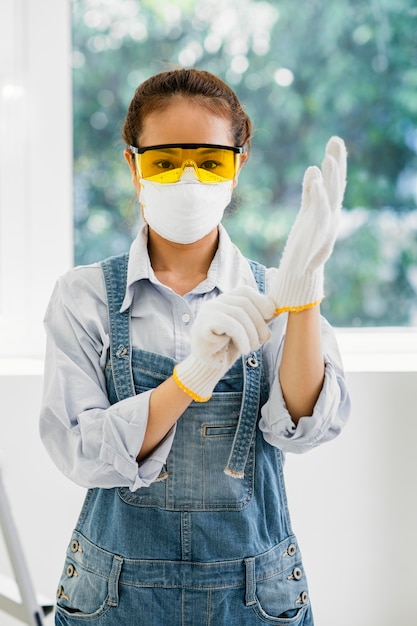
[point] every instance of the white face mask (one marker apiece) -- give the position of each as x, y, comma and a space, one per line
185, 211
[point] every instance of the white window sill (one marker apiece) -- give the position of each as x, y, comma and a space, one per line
378, 349
21, 367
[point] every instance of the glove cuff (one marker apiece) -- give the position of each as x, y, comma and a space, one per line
196, 378
294, 294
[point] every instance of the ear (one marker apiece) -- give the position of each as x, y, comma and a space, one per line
243, 159
132, 166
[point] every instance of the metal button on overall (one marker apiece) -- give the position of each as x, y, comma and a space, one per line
60, 593
71, 571
303, 598
292, 549
252, 361
75, 546
296, 574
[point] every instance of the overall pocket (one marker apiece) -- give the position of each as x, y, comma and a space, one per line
193, 478
88, 587
283, 599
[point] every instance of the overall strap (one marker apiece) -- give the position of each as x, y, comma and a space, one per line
248, 418
258, 271
115, 277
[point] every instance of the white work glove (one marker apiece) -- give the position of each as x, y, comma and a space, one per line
299, 282
226, 327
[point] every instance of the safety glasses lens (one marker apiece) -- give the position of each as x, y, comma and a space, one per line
166, 164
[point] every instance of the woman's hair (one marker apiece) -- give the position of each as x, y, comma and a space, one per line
204, 88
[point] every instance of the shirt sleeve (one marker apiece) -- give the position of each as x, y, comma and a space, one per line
92, 442
331, 410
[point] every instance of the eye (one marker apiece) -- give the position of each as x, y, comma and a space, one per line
163, 164
210, 164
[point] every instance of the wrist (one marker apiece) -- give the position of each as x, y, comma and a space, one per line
292, 293
196, 378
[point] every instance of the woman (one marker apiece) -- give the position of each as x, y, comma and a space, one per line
176, 377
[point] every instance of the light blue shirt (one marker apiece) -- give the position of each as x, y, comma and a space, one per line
96, 444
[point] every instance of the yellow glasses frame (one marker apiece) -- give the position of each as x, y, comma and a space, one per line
165, 163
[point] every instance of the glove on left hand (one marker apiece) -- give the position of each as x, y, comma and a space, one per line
299, 282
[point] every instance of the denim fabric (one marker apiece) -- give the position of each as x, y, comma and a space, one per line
210, 541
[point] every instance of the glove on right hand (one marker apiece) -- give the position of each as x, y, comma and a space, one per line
232, 324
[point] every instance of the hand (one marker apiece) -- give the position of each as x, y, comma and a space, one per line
300, 278
232, 324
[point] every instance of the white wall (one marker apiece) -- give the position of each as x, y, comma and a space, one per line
355, 510
353, 501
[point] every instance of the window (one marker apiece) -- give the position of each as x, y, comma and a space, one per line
35, 167
368, 97
345, 68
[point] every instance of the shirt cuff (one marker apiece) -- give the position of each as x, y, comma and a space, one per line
329, 416
123, 433
150, 468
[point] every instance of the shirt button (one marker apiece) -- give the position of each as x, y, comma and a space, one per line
186, 318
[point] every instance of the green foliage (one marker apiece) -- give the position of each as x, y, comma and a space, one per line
304, 73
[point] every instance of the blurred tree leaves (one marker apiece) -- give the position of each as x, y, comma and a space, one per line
304, 72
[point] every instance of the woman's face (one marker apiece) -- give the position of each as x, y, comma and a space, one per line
183, 121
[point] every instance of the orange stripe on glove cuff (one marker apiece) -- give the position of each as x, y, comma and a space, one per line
196, 378
293, 294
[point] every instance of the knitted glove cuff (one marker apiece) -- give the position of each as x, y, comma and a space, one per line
296, 293
196, 378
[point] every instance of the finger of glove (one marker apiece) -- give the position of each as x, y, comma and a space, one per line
325, 228
225, 332
232, 317
309, 232
311, 175
336, 148
332, 182
305, 219
243, 322
334, 172
205, 341
263, 303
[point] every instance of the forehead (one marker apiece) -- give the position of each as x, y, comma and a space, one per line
186, 121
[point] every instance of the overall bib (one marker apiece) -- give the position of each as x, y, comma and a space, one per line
209, 543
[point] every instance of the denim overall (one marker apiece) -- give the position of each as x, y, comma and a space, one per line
209, 543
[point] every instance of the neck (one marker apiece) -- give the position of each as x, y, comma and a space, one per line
181, 266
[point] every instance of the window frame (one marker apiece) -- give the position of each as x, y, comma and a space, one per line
36, 240
36, 209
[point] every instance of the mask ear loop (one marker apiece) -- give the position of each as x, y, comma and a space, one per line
137, 168
238, 167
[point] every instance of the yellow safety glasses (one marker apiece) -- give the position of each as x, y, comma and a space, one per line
166, 163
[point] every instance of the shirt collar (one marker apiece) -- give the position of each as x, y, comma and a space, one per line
227, 270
